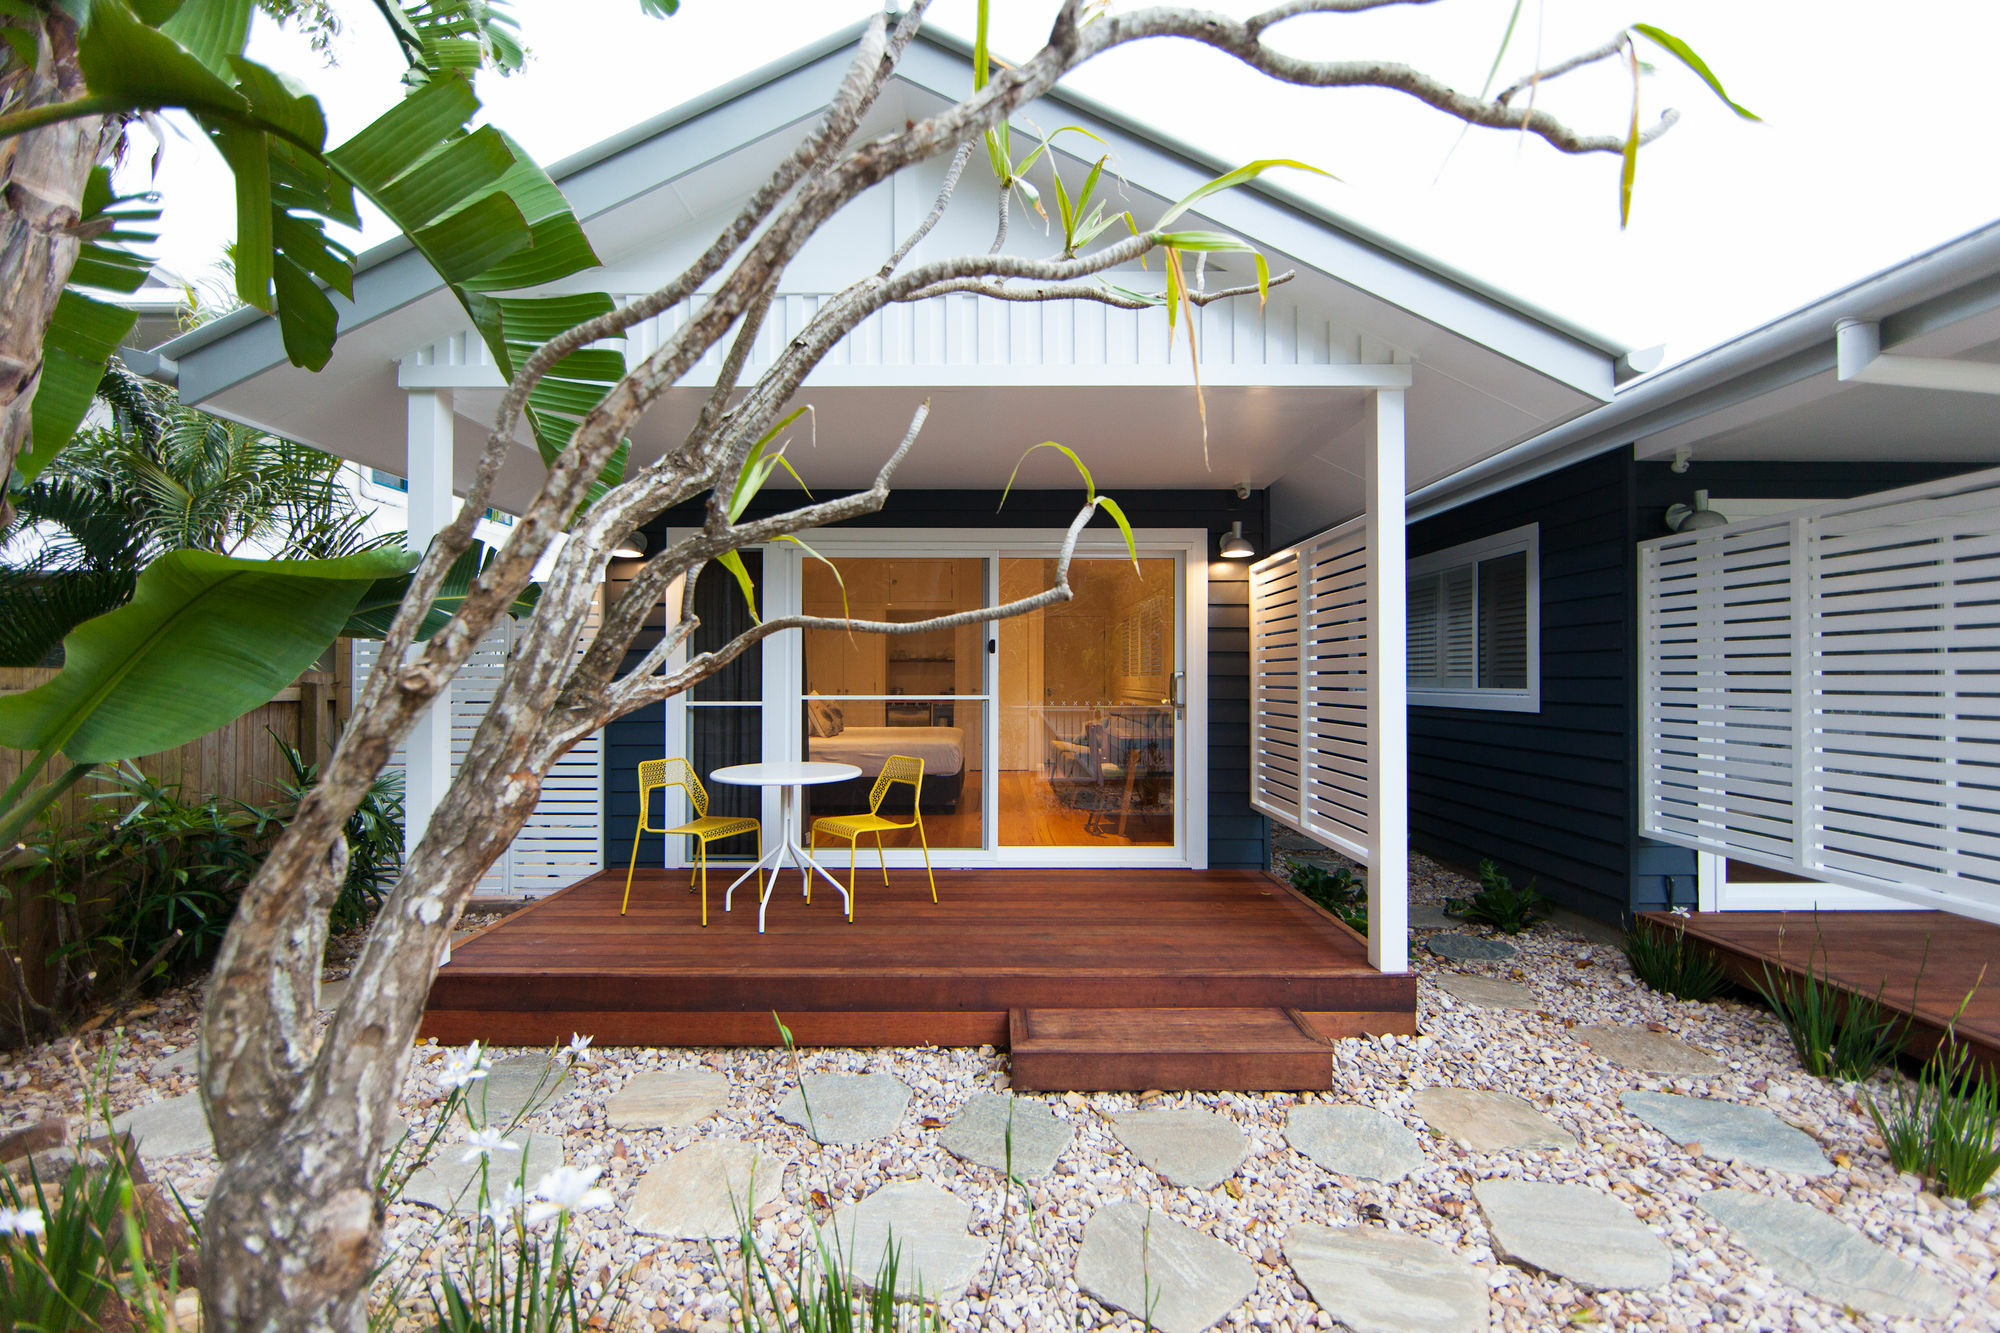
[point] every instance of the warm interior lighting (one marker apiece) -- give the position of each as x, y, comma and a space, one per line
631, 548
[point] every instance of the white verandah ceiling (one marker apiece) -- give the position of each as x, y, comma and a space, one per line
1286, 386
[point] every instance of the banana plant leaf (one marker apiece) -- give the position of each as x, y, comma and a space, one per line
377, 607
205, 639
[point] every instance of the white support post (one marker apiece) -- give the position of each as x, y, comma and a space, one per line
428, 749
1388, 718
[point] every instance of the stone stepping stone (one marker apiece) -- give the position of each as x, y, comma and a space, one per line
926, 1225
1471, 948
1574, 1232
1376, 1281
1429, 916
168, 1128
186, 1061
500, 1097
846, 1108
1729, 1132
707, 1191
980, 1133
1648, 1052
1354, 1141
1489, 1121
1826, 1257
1194, 1149
1486, 993
450, 1184
1153, 1268
667, 1099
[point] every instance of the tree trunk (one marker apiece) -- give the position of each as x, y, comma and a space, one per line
292, 1232
42, 178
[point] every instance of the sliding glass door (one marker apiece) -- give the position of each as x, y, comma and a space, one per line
922, 694
1089, 704
1060, 737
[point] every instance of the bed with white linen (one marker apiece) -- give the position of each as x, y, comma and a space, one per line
941, 748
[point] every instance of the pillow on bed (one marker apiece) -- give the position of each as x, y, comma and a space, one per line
825, 720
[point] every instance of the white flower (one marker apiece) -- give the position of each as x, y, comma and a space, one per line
1682, 912
484, 1143
500, 1212
567, 1189
22, 1222
463, 1067
579, 1049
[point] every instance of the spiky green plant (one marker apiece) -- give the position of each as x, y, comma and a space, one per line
1945, 1126
1837, 1033
1667, 963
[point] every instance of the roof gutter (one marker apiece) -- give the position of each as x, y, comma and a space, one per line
1788, 349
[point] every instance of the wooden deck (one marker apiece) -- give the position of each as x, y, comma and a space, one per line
1924, 963
999, 945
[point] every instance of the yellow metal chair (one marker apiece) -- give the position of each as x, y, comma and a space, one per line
897, 768
659, 774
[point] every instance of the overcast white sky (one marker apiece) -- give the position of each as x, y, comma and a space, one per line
1876, 142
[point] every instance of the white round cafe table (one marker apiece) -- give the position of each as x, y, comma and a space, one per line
788, 776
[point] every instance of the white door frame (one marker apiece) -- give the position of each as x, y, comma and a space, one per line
781, 726
1715, 892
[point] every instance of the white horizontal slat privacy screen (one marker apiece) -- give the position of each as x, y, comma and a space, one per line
1820, 693
1311, 767
563, 840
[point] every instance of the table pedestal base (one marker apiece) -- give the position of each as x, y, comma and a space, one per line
787, 841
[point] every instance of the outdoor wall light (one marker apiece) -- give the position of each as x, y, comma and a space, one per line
1694, 517
1235, 546
631, 548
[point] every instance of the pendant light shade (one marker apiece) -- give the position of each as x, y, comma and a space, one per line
1235, 546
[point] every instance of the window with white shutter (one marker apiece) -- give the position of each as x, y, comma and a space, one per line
1474, 628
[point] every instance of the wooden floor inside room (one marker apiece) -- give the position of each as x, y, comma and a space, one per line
1924, 964
1226, 971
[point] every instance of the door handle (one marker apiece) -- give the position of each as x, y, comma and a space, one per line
1178, 697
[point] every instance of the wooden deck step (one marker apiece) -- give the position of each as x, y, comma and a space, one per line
1129, 1050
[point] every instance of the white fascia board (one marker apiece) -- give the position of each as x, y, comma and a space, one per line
1280, 220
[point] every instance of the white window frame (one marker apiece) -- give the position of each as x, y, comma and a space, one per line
1526, 538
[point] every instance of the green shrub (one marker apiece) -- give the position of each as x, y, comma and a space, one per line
1340, 891
144, 889
1945, 1127
1499, 904
1668, 964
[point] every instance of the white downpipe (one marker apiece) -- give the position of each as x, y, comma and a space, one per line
1388, 716
1859, 358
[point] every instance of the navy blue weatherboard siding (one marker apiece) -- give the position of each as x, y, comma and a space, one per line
1237, 835
1545, 794
1553, 796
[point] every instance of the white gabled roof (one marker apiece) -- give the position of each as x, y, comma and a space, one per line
1487, 370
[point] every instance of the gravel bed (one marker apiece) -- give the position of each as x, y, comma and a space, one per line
1532, 1055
